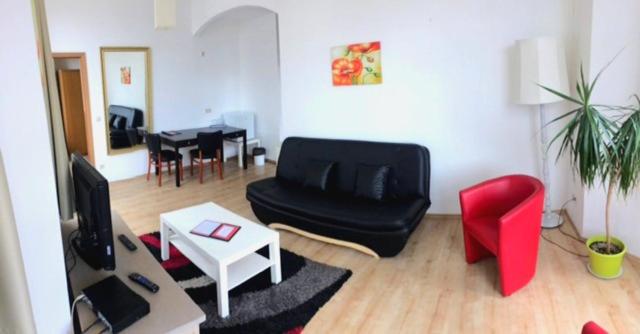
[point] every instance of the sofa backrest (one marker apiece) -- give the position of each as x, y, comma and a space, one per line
133, 115
410, 164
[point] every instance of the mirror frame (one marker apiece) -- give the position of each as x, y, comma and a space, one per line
148, 93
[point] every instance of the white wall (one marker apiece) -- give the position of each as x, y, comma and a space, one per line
219, 63
448, 71
189, 74
87, 25
448, 74
260, 77
204, 11
23, 124
582, 19
612, 29
16, 314
240, 70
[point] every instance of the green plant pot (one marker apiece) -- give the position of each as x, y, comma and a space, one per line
602, 265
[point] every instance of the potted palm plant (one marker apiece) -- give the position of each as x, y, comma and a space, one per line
603, 145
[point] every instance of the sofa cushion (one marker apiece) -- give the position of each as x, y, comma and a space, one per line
333, 208
317, 174
371, 181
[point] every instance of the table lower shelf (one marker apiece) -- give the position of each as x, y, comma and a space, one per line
238, 272
245, 268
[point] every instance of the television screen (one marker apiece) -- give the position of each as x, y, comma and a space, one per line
94, 243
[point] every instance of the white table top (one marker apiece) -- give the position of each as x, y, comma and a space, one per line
251, 236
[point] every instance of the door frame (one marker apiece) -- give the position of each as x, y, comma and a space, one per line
86, 104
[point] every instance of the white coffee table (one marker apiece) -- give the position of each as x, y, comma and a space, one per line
228, 263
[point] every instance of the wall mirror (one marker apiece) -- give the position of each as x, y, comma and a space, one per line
126, 84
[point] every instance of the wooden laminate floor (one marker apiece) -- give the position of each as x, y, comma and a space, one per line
428, 288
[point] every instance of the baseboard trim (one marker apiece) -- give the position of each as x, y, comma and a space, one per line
443, 216
352, 245
567, 217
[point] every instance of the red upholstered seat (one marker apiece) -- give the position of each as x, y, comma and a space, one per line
485, 231
502, 217
592, 328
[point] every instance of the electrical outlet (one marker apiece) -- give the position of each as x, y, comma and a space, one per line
207, 110
101, 166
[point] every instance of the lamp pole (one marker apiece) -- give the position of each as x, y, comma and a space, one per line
550, 219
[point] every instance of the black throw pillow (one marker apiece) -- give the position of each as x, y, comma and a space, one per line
371, 181
119, 123
317, 174
112, 120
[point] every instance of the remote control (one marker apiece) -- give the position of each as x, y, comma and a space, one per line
145, 282
127, 243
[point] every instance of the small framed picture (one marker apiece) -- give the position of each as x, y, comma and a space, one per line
225, 232
216, 230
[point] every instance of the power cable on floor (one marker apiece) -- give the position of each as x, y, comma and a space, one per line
565, 234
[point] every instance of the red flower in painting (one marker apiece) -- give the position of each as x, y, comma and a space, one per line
364, 47
344, 70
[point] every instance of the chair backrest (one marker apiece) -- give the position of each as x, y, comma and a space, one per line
209, 142
507, 192
154, 143
518, 189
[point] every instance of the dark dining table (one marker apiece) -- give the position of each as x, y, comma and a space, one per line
189, 137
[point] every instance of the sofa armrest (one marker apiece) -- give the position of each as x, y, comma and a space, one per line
132, 136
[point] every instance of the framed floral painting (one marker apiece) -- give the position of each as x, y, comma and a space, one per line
356, 64
125, 75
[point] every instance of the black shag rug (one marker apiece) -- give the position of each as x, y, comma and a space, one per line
257, 306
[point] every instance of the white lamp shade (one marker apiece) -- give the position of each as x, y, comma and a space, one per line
542, 61
164, 13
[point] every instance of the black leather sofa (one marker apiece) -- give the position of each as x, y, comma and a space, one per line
383, 226
123, 126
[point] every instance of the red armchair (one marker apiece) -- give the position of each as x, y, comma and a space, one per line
502, 217
593, 328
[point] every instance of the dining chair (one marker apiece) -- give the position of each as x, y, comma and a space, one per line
157, 156
209, 147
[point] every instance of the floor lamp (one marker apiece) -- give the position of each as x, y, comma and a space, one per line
542, 61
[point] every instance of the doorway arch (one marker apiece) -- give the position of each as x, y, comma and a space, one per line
204, 12
240, 59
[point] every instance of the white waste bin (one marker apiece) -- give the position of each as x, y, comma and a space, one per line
258, 156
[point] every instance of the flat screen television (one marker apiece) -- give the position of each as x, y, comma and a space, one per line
94, 242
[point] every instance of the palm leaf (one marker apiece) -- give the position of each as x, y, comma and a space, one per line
593, 83
627, 142
563, 96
